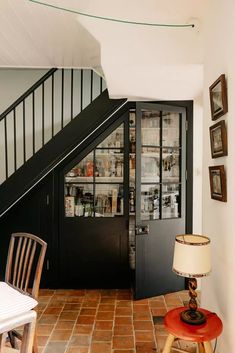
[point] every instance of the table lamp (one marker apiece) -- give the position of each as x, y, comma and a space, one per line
192, 260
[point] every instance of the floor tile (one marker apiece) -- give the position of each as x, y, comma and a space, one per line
44, 330
64, 325
123, 312
68, 315
143, 325
106, 307
123, 342
78, 350
85, 320
104, 325
60, 335
102, 335
82, 329
123, 330
80, 340
144, 336
58, 347
100, 347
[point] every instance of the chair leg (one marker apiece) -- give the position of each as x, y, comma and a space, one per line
208, 347
12, 339
28, 337
35, 341
169, 341
2, 341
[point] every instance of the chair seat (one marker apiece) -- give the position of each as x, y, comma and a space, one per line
13, 303
208, 331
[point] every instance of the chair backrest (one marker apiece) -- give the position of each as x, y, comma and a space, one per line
24, 262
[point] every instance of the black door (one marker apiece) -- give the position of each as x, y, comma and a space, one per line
93, 244
160, 195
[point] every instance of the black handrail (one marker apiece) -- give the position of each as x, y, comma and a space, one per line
27, 93
26, 114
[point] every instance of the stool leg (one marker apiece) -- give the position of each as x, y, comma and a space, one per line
169, 341
201, 348
28, 337
208, 347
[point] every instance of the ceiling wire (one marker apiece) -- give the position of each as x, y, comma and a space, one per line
115, 19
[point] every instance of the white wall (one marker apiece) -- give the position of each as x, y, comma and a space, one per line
15, 82
218, 217
197, 164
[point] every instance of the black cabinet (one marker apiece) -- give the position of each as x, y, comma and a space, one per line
94, 231
131, 176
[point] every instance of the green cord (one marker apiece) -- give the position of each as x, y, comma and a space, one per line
113, 19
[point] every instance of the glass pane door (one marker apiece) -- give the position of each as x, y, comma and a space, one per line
94, 186
160, 195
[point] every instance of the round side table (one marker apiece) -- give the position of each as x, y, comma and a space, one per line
201, 334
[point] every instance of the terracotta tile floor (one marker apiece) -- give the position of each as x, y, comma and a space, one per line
103, 321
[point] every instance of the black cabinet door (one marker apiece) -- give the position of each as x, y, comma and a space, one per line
160, 196
93, 253
93, 234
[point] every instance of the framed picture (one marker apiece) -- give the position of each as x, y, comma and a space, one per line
218, 183
218, 137
218, 98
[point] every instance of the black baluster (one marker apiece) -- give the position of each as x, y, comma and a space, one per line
24, 143
6, 149
14, 126
33, 109
101, 85
91, 85
43, 114
62, 98
52, 105
71, 94
81, 86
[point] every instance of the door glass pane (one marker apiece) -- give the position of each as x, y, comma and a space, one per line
108, 200
150, 128
114, 140
109, 165
170, 165
78, 200
83, 171
150, 160
171, 129
170, 200
150, 201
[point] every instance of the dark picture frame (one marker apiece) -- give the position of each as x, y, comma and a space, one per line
218, 98
218, 138
218, 183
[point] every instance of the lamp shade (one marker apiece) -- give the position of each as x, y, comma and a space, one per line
192, 256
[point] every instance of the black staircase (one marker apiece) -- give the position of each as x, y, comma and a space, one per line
87, 118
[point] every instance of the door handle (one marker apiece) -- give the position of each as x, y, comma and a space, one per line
142, 229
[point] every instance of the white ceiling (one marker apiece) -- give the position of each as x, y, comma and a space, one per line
137, 61
37, 36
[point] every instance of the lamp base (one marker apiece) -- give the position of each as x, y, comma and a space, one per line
193, 317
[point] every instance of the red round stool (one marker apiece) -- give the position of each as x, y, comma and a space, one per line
202, 334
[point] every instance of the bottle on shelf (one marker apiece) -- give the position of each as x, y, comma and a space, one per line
132, 144
132, 200
79, 208
69, 203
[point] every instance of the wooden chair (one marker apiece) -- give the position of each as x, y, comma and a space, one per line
28, 320
24, 268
